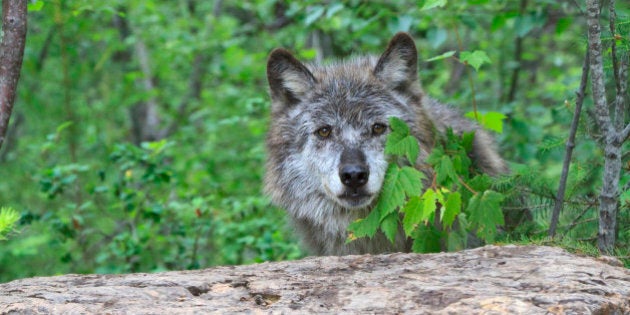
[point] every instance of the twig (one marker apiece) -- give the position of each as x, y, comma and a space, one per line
474, 192
620, 102
194, 93
619, 71
569, 147
576, 220
44, 52
470, 79
625, 133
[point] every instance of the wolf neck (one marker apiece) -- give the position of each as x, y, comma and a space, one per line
326, 215
323, 230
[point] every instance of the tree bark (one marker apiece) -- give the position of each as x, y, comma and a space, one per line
11, 54
518, 58
612, 135
145, 115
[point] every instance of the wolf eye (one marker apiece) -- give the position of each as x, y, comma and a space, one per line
378, 129
323, 132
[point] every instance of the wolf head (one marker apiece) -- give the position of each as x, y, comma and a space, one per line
329, 125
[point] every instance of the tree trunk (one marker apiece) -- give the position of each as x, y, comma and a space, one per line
612, 135
11, 54
145, 116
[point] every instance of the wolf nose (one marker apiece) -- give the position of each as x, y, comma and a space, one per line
354, 175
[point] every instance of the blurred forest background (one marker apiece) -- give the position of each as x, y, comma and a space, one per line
137, 138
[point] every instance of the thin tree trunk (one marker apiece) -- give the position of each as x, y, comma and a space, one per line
147, 115
11, 54
612, 137
518, 57
195, 81
569, 148
60, 21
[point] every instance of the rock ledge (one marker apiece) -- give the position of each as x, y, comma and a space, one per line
491, 279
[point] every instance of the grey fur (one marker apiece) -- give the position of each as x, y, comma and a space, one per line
350, 98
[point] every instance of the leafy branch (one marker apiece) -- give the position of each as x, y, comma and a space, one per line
439, 214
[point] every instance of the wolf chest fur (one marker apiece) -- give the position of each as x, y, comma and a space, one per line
326, 161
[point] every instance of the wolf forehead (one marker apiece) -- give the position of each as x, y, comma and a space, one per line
348, 91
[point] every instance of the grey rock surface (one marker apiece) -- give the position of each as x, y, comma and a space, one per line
487, 280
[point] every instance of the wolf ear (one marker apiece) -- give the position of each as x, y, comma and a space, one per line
398, 65
288, 78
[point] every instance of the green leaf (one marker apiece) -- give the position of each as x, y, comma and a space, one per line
445, 169
398, 183
36, 5
364, 227
480, 182
413, 214
490, 120
315, 12
468, 139
401, 142
64, 126
475, 59
429, 203
8, 218
485, 214
333, 9
389, 225
418, 210
563, 24
494, 121
498, 22
392, 194
426, 239
445, 55
452, 208
399, 126
411, 180
523, 24
430, 4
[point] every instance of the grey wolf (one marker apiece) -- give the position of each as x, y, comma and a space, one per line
325, 144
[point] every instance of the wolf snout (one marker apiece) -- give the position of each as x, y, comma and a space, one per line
353, 171
354, 175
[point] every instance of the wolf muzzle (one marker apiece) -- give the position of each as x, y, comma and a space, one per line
353, 170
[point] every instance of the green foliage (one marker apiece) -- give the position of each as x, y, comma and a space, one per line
430, 4
401, 142
35, 5
475, 58
8, 219
445, 55
490, 120
459, 197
